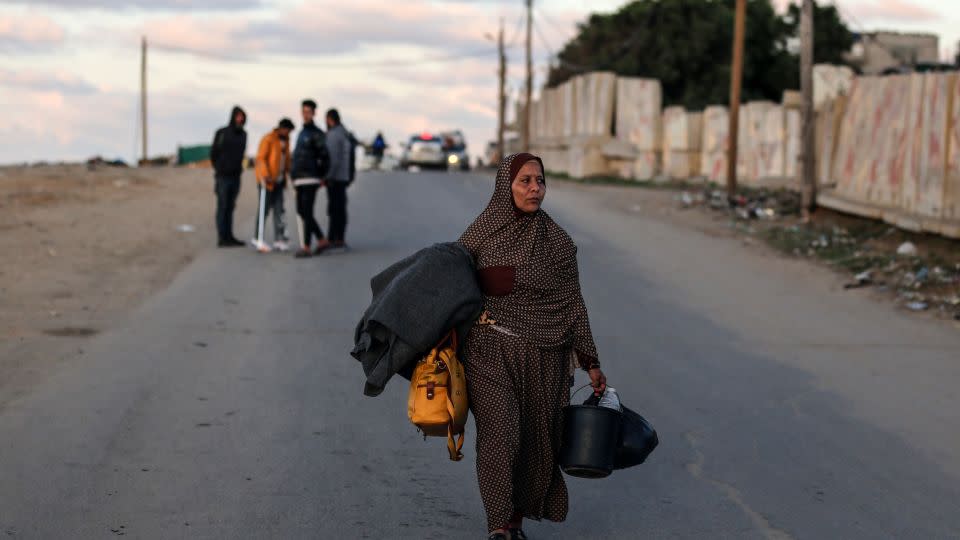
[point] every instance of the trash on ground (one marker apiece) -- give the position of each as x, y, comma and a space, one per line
718, 200
876, 255
907, 249
186, 228
860, 280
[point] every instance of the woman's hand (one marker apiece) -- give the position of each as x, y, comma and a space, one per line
598, 381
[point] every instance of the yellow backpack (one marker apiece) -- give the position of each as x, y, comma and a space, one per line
438, 404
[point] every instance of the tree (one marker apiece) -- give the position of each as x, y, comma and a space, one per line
686, 44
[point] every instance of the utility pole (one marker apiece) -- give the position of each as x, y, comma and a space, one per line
525, 129
143, 98
808, 177
502, 93
736, 80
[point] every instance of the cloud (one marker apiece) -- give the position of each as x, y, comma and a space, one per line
54, 126
379, 83
29, 33
223, 38
313, 29
37, 81
49, 123
896, 10
152, 5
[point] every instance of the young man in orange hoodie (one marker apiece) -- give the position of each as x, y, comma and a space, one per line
273, 166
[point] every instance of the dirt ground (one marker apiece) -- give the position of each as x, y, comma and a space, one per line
81, 247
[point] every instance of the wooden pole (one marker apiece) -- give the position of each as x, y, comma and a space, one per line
807, 157
736, 80
502, 93
525, 129
143, 99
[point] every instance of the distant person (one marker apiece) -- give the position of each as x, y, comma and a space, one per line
273, 166
378, 147
341, 145
311, 160
226, 155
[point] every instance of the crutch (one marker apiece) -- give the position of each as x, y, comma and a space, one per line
261, 217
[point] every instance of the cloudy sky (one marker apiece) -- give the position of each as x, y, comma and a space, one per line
69, 75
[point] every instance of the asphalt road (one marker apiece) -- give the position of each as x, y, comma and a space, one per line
228, 407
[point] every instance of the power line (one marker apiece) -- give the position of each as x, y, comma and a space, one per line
516, 33
326, 65
543, 38
549, 20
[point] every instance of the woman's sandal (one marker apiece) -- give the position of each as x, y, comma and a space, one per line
517, 534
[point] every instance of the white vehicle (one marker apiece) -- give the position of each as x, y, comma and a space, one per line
424, 151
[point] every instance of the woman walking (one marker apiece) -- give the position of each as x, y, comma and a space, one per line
521, 354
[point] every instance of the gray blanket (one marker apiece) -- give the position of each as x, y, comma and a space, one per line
415, 303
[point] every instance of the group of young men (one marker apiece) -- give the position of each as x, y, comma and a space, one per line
319, 159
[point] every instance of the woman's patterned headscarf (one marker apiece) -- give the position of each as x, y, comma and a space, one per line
545, 305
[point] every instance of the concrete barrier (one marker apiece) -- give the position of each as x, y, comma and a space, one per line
713, 150
595, 97
752, 124
586, 158
638, 125
872, 147
568, 101
681, 142
924, 180
791, 150
896, 152
771, 145
827, 135
554, 153
887, 147
951, 203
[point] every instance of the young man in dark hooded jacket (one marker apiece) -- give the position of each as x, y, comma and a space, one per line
311, 161
227, 154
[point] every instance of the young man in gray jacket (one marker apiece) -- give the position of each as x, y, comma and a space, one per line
341, 148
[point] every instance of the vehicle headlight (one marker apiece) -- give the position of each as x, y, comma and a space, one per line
453, 159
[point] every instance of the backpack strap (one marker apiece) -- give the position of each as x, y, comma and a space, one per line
454, 447
451, 338
454, 440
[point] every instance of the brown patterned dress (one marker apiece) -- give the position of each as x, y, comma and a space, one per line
518, 365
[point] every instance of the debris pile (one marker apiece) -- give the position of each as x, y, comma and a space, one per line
921, 281
746, 205
874, 254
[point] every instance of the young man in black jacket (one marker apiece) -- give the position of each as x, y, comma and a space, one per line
311, 161
227, 154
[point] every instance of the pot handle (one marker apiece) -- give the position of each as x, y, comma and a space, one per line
575, 392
